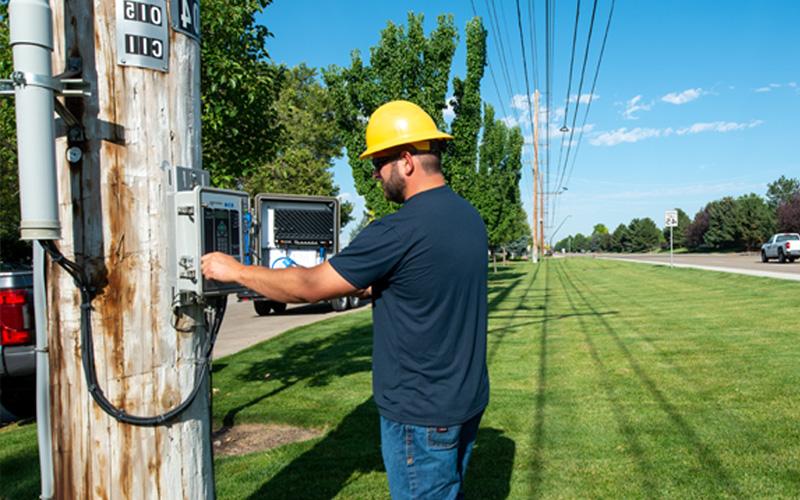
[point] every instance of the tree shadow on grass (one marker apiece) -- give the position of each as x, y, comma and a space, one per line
315, 362
353, 447
19, 473
321, 472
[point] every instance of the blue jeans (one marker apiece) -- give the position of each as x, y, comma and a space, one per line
427, 462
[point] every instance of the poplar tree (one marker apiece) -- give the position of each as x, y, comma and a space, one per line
404, 65
499, 171
462, 155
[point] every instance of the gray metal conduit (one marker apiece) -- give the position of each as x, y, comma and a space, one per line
31, 40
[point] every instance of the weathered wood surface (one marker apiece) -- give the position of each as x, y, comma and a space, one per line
115, 221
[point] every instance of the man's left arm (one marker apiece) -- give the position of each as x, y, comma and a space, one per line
290, 285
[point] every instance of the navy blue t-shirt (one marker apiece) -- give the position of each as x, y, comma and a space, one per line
427, 266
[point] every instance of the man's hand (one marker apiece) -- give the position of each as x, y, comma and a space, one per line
221, 267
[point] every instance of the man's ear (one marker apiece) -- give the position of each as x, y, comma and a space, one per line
409, 166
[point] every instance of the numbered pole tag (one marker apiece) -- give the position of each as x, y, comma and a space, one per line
186, 17
142, 35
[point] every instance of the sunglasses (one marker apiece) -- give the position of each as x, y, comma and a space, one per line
378, 163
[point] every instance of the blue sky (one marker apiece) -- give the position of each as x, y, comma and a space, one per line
695, 99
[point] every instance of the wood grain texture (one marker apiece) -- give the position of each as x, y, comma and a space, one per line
113, 207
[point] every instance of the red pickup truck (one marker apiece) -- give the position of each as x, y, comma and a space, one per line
17, 341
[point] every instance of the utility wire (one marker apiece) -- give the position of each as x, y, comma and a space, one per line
532, 33
499, 47
563, 128
525, 70
580, 89
594, 84
491, 70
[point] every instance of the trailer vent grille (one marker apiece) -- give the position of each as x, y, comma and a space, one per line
298, 225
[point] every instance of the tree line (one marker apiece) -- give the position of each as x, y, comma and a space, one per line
271, 128
727, 224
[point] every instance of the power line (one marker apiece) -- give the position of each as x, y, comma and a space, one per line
572, 60
532, 33
499, 47
594, 84
491, 71
580, 89
524, 64
563, 128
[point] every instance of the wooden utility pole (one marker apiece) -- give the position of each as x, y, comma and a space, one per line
535, 225
142, 118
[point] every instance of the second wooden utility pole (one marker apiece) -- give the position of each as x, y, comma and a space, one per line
536, 187
143, 118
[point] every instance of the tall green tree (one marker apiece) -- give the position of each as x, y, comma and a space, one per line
755, 221
461, 158
619, 239
600, 239
239, 86
404, 65
498, 178
643, 235
307, 143
781, 191
722, 224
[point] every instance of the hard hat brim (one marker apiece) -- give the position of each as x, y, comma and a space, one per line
408, 139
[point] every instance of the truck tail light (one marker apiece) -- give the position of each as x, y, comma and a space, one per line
16, 318
787, 245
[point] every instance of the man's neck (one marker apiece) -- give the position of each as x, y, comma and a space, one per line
426, 184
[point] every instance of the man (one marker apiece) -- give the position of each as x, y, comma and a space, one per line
426, 265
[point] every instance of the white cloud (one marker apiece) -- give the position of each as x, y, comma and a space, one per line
634, 106
679, 191
521, 102
624, 135
637, 134
687, 95
771, 86
585, 98
718, 126
509, 121
448, 112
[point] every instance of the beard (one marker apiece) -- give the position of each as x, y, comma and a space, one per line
394, 187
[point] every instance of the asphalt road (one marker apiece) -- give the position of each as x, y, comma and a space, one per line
242, 327
741, 263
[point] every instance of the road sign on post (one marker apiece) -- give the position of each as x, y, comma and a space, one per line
670, 221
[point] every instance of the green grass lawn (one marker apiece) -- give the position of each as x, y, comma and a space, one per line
609, 379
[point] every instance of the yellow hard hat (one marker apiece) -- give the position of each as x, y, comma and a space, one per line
397, 123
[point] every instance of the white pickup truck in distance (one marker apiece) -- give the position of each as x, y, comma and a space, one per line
782, 246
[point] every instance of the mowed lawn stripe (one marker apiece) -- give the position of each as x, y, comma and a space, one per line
608, 380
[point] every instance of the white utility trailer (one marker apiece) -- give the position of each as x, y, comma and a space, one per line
294, 230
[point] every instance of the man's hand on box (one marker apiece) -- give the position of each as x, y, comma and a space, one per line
221, 267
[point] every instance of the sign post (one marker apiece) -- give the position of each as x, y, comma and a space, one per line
670, 221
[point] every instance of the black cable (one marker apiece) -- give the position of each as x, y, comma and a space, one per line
500, 47
577, 104
563, 128
532, 33
88, 293
491, 71
594, 84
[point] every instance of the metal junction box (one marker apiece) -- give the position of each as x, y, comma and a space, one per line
207, 220
296, 229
